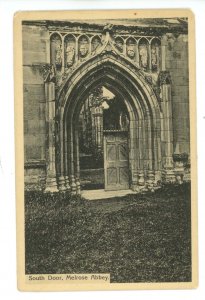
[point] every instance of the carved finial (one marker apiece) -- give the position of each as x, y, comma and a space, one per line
108, 27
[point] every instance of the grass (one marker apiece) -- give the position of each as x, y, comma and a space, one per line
136, 238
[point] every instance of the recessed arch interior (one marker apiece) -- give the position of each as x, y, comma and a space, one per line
55, 50
110, 72
119, 43
95, 42
141, 105
155, 54
84, 149
83, 46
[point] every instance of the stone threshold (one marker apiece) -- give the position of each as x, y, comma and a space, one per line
102, 194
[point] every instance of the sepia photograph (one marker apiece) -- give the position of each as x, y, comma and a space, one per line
105, 150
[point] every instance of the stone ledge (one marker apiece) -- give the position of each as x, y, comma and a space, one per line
35, 164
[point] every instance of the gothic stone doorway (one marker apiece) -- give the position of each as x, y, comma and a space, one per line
118, 75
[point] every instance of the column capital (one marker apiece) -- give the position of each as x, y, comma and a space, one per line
48, 72
164, 78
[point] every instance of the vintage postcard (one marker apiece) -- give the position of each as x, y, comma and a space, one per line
105, 150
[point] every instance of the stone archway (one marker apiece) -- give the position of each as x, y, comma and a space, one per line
122, 77
142, 106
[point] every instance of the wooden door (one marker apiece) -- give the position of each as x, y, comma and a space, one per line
116, 166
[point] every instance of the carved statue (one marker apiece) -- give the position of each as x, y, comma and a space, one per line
58, 54
95, 44
154, 57
119, 45
70, 53
49, 73
124, 121
143, 56
130, 51
83, 49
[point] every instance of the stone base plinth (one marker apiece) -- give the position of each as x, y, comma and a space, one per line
61, 184
51, 185
67, 183
168, 176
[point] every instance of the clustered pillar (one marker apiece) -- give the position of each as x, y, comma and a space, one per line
167, 140
51, 183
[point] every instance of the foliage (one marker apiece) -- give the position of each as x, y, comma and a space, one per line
181, 157
136, 238
96, 97
94, 160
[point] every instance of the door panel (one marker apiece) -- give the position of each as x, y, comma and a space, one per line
123, 152
111, 152
123, 175
112, 175
116, 160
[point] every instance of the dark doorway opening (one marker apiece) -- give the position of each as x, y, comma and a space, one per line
101, 111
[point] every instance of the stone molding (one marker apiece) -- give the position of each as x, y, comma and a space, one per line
160, 27
35, 164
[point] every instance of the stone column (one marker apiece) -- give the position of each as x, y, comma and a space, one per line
66, 171
51, 184
63, 56
77, 162
132, 145
163, 52
141, 175
137, 54
72, 167
150, 159
168, 166
89, 46
97, 126
76, 49
150, 56
125, 47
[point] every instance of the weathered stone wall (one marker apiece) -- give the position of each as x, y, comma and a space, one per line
35, 55
177, 64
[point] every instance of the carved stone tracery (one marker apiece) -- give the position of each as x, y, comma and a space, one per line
74, 47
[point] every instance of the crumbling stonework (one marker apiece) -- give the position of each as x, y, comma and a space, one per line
145, 65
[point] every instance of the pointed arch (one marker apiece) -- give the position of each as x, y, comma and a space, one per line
56, 50
69, 50
125, 80
155, 54
143, 49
